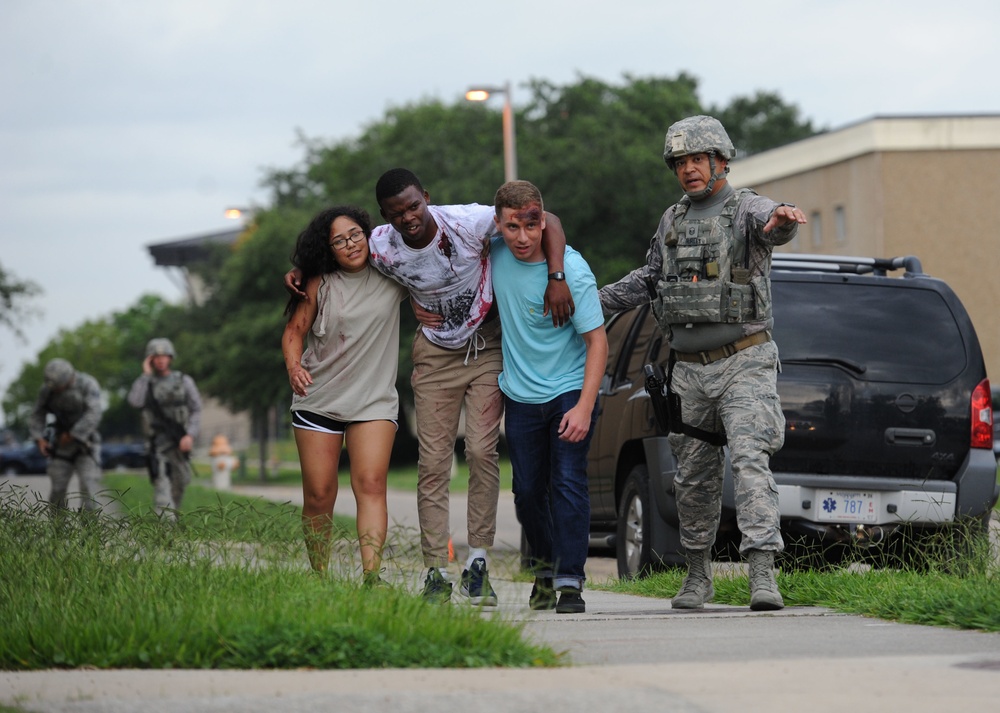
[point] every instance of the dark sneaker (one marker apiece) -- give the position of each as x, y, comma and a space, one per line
436, 588
476, 584
570, 602
543, 596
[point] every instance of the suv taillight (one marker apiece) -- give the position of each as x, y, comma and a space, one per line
982, 416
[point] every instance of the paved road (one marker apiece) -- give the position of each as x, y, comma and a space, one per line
628, 653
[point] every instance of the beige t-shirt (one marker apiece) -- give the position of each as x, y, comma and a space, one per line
352, 350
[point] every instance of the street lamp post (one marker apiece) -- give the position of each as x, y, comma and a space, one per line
478, 94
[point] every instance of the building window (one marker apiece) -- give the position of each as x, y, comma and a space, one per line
840, 224
817, 229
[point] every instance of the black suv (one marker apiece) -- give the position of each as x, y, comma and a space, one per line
887, 407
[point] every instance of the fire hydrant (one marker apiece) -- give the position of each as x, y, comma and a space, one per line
223, 462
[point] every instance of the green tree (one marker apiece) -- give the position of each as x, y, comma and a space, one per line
14, 294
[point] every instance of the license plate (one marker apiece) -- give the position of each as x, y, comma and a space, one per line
847, 506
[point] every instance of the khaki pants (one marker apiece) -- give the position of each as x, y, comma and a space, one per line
443, 381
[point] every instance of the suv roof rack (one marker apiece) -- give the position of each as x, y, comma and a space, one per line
845, 263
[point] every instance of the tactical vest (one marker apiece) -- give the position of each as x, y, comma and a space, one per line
170, 394
68, 406
706, 275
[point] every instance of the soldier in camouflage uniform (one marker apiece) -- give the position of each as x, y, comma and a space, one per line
72, 442
171, 413
708, 272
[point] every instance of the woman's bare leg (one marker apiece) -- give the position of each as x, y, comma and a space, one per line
319, 456
369, 445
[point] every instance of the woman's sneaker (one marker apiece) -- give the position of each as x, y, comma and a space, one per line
476, 584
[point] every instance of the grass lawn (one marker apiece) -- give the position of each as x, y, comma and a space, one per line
225, 587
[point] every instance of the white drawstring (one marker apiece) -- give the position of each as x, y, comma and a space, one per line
474, 347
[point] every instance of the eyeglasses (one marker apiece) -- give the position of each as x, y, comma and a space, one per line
354, 236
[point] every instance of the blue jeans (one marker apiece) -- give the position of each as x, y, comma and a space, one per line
550, 487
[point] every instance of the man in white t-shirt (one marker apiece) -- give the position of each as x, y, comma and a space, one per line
441, 254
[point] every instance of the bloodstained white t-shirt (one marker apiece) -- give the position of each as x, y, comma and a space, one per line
451, 276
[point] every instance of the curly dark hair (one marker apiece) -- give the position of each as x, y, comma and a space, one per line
313, 255
395, 181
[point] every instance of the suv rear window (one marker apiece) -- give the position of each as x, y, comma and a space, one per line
861, 331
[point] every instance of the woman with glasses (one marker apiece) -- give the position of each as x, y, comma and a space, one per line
341, 349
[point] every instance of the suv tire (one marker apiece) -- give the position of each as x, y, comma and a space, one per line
632, 540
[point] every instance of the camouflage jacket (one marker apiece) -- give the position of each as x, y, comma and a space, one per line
78, 410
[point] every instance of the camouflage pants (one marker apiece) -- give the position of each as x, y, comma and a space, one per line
85, 464
740, 395
173, 474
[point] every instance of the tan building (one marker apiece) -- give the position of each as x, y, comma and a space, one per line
922, 185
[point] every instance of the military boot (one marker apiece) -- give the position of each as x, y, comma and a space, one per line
697, 587
764, 594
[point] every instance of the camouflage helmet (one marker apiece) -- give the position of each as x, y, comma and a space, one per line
159, 346
697, 134
59, 373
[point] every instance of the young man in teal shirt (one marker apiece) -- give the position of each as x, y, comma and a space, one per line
550, 381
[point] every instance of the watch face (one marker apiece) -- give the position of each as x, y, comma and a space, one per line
557, 276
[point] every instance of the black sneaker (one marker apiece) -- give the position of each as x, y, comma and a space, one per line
543, 596
436, 588
570, 602
476, 584
372, 580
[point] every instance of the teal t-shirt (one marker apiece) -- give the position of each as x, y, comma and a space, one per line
540, 361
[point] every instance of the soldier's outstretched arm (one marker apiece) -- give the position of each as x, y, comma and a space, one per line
783, 215
633, 289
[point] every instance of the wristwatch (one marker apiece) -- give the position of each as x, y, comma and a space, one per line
560, 276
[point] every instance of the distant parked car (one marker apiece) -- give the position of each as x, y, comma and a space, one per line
26, 459
123, 455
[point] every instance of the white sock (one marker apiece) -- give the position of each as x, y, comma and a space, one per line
475, 553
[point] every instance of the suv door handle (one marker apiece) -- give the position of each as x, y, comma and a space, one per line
910, 436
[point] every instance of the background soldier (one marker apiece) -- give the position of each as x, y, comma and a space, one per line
171, 414
71, 442
708, 269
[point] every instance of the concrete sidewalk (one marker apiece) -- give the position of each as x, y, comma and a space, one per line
625, 652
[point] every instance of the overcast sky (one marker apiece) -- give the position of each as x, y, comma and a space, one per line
129, 123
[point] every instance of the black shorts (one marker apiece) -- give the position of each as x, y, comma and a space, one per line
309, 421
